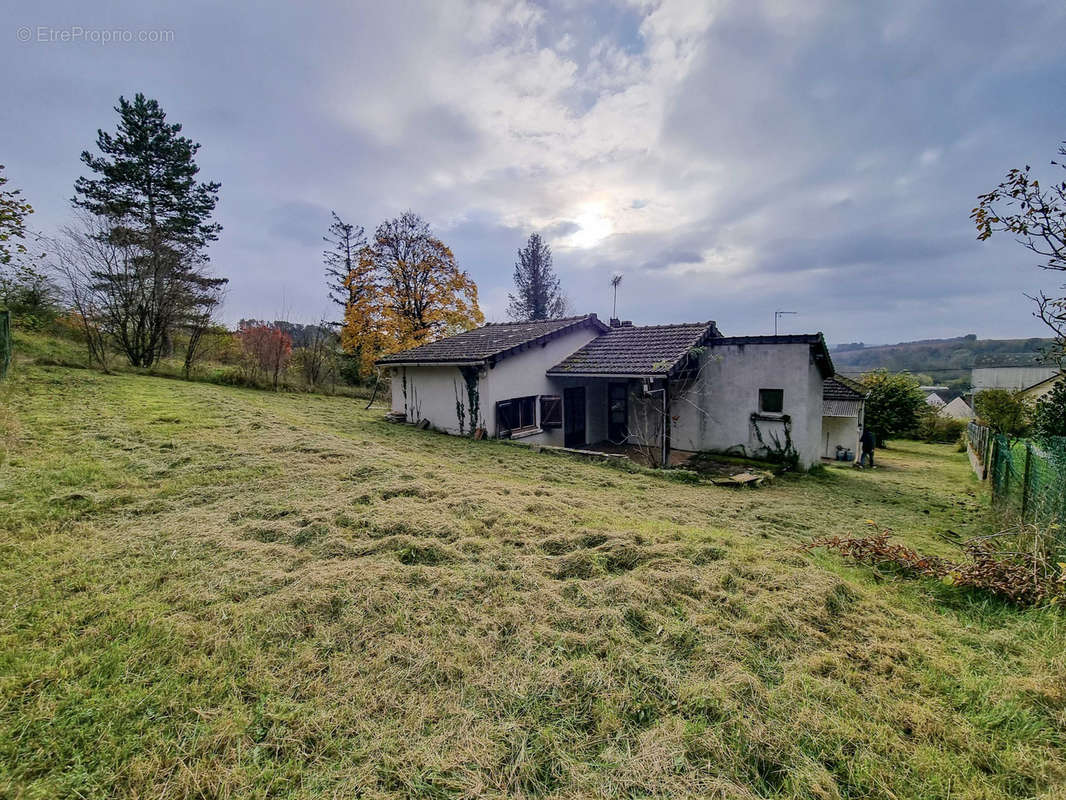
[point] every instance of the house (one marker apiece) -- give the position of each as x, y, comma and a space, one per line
935, 401
1035, 392
1012, 371
843, 412
576, 382
956, 409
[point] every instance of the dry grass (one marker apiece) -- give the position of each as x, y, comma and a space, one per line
212, 592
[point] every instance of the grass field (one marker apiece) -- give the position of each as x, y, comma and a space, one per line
216, 592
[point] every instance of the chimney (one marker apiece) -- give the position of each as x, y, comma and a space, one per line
615, 322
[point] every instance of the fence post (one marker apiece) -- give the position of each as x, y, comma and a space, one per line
1025, 479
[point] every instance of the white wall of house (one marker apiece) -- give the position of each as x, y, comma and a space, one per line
431, 391
523, 375
843, 431
1008, 377
1035, 393
715, 412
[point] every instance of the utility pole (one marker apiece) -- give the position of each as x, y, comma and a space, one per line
778, 315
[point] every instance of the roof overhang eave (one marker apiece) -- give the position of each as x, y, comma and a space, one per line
481, 362
606, 375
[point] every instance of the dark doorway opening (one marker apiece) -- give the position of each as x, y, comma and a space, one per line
617, 412
574, 417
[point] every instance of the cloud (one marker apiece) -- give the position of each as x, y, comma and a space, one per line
730, 157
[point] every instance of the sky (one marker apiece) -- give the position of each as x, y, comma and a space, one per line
731, 159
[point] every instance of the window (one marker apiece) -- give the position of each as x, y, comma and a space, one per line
516, 414
771, 401
551, 411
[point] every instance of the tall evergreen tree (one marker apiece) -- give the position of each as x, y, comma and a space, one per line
341, 260
538, 294
156, 218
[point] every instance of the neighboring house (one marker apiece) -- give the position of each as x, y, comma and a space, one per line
1010, 371
934, 400
956, 409
843, 412
577, 382
1038, 390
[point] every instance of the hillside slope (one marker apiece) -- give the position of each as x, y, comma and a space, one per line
210, 591
930, 355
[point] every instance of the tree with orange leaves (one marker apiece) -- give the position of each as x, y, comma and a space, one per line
419, 293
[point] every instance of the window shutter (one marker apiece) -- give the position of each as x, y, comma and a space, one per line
504, 418
551, 411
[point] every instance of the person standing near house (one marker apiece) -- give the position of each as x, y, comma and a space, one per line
867, 443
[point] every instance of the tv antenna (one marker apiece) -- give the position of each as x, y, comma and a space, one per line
778, 315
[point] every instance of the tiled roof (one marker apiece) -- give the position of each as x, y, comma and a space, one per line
649, 350
986, 360
816, 340
489, 342
957, 409
840, 388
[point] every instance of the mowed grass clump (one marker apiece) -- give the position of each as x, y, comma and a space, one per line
214, 592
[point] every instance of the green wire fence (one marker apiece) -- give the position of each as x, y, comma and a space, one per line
5, 342
1027, 477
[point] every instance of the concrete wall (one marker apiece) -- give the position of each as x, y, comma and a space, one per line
715, 412
1008, 377
431, 391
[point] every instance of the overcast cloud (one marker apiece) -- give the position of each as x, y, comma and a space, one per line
730, 158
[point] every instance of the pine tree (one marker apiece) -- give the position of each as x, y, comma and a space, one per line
538, 294
157, 219
341, 260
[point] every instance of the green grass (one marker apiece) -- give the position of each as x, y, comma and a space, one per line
216, 592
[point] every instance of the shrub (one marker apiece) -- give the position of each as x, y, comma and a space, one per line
932, 427
1003, 410
1049, 418
1024, 575
893, 405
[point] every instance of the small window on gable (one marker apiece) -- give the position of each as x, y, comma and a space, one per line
551, 411
771, 401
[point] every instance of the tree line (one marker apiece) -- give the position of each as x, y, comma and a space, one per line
133, 273
402, 288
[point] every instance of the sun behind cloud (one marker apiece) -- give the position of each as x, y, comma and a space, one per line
594, 227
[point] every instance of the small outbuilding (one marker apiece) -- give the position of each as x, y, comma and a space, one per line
843, 417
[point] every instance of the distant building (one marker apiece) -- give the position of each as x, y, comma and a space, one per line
956, 409
1012, 371
935, 401
1037, 390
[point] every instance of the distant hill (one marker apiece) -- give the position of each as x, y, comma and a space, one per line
944, 362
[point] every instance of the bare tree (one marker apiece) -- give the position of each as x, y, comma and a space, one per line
341, 260
657, 405
314, 357
1037, 217
78, 254
198, 324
